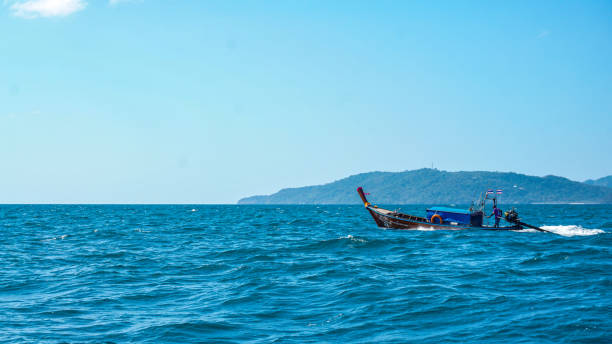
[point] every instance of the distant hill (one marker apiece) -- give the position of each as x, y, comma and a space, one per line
427, 186
605, 181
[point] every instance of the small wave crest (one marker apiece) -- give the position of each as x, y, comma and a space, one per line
425, 229
353, 239
430, 229
571, 230
61, 237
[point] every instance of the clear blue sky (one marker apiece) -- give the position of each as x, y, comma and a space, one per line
210, 101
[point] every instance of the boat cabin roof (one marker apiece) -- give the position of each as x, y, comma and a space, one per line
449, 210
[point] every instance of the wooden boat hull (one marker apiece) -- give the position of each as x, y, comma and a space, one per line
389, 219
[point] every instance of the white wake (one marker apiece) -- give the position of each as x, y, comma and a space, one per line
569, 231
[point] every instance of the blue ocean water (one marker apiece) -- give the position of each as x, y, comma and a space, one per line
260, 274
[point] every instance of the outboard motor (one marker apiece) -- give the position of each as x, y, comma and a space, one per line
511, 216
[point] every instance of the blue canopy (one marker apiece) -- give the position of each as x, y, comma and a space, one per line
450, 214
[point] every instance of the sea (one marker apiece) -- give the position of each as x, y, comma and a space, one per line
299, 274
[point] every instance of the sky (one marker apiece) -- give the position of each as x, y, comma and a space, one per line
211, 101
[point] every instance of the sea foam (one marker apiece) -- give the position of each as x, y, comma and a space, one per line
572, 230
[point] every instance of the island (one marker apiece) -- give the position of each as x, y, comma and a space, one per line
429, 186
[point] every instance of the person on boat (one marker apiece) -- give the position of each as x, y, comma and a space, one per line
498, 214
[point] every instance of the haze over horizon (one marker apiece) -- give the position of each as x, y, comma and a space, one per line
208, 102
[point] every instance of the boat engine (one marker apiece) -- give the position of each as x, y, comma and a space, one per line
511, 216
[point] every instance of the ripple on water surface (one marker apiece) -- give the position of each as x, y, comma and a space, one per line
298, 273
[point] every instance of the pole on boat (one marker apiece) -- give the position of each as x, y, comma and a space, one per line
533, 227
512, 217
363, 197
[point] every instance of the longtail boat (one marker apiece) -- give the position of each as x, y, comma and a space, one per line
442, 217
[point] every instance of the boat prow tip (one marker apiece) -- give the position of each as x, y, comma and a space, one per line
363, 197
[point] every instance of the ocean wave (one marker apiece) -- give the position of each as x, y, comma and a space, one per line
353, 239
430, 229
298, 274
61, 237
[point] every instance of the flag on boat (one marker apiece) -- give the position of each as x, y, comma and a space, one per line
499, 191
